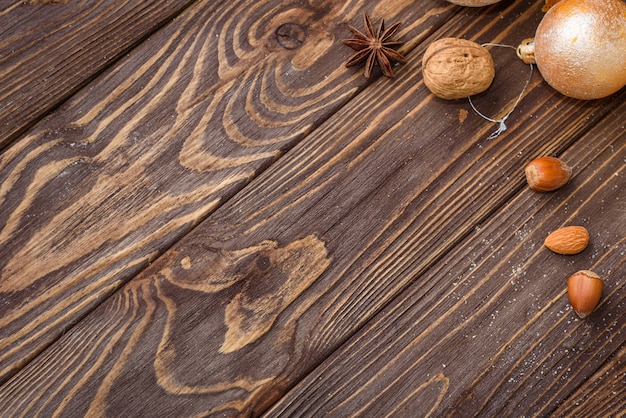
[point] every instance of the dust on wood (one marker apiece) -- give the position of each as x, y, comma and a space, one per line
492, 318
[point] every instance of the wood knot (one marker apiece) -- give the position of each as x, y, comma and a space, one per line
290, 35
280, 275
263, 263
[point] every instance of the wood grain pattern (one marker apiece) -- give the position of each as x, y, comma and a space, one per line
277, 278
49, 49
149, 149
604, 394
488, 331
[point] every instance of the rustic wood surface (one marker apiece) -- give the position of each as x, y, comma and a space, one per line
497, 304
51, 48
115, 198
227, 221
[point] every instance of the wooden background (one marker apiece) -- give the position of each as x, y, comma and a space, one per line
204, 213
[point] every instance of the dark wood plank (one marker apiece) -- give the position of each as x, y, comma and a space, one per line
603, 395
278, 277
49, 49
488, 331
139, 157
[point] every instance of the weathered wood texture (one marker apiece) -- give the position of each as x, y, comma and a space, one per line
603, 395
49, 49
146, 151
488, 330
372, 231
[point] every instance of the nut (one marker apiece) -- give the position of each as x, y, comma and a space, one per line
584, 290
457, 68
546, 174
568, 240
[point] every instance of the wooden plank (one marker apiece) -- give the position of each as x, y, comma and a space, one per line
488, 330
48, 49
603, 395
149, 149
278, 277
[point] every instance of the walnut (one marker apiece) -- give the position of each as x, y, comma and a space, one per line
457, 68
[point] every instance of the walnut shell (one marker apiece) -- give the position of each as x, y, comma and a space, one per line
457, 68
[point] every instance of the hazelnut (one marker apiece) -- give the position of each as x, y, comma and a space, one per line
584, 290
568, 240
457, 68
546, 174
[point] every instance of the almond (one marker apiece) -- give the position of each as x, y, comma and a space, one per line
568, 240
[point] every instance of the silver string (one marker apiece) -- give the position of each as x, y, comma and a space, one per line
502, 125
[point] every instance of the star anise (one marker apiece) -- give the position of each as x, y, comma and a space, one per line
374, 47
